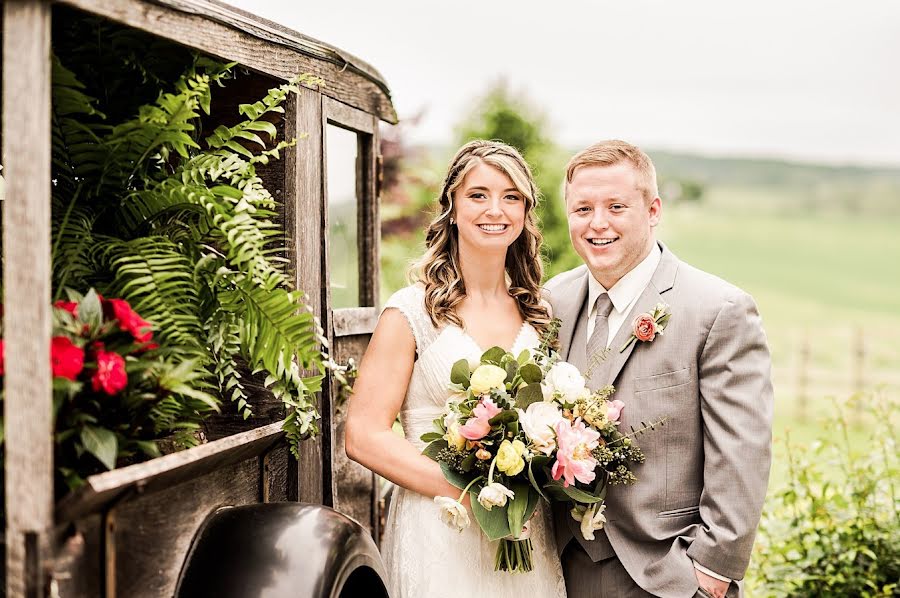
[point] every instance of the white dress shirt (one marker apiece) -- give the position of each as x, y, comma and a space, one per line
624, 294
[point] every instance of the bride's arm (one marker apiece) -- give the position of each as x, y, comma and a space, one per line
377, 398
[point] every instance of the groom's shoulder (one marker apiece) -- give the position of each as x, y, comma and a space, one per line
560, 281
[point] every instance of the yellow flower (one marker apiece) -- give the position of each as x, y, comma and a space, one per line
487, 377
454, 438
509, 457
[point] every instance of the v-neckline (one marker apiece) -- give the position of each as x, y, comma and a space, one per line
476, 344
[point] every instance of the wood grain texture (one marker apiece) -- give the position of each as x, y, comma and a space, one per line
157, 475
351, 321
26, 286
348, 117
354, 487
153, 533
255, 43
304, 204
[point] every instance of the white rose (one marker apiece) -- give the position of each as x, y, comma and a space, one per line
453, 514
565, 379
538, 423
591, 518
494, 495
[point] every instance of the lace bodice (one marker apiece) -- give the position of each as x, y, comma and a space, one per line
424, 557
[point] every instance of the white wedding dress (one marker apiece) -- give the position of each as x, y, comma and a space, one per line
424, 557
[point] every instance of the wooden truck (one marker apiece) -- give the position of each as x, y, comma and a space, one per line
237, 515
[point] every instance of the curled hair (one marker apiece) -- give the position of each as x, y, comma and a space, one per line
439, 268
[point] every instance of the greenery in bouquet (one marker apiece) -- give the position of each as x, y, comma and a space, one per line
114, 392
523, 428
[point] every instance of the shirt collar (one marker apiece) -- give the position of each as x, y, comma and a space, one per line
630, 286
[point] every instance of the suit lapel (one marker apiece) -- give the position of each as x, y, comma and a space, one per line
569, 312
662, 281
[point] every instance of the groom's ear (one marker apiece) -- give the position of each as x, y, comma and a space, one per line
655, 209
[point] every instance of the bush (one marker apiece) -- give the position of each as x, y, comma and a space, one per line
833, 531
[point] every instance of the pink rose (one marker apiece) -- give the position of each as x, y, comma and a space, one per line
614, 410
478, 426
644, 327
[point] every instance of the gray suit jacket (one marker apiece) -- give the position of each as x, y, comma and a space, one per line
700, 492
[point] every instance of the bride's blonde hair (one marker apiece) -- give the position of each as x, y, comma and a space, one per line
439, 268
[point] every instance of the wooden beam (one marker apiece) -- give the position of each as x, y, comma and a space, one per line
351, 321
232, 35
304, 205
26, 287
348, 117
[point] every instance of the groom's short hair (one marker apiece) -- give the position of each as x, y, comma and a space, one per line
614, 151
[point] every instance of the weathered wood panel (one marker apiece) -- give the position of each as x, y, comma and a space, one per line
78, 563
26, 284
369, 226
164, 472
341, 114
150, 536
265, 47
354, 486
350, 321
304, 205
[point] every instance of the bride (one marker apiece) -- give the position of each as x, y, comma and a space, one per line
478, 287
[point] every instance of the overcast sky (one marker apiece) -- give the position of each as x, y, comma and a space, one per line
810, 79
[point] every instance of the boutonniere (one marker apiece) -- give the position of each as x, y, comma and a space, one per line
647, 325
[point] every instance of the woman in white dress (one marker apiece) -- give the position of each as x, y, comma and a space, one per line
478, 286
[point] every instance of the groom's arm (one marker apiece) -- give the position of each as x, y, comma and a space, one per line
736, 403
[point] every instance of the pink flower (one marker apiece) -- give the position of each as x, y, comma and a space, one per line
110, 375
478, 426
645, 328
614, 410
574, 461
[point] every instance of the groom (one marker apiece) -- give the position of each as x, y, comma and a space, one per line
686, 527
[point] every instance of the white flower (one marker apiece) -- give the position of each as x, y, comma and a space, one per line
565, 379
486, 378
591, 518
453, 513
494, 495
538, 422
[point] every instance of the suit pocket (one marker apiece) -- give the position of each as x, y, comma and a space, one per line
664, 380
683, 512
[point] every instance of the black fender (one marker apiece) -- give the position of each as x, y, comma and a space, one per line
282, 550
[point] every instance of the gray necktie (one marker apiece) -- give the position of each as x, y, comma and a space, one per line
596, 345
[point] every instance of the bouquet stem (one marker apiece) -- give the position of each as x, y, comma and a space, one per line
514, 555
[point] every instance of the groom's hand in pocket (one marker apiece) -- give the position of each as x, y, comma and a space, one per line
712, 586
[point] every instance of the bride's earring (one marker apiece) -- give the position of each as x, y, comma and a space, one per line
452, 221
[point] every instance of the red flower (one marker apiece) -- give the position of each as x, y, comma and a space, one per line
110, 375
644, 327
69, 306
130, 321
66, 358
1, 357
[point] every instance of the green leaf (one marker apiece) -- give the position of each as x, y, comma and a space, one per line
90, 311
431, 451
537, 463
493, 355
528, 395
459, 373
504, 417
431, 437
512, 369
517, 506
494, 523
524, 356
101, 443
556, 489
457, 479
531, 373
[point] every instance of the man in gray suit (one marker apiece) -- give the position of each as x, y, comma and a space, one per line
687, 526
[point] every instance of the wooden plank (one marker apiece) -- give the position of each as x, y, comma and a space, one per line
350, 321
304, 201
26, 286
368, 218
232, 35
348, 117
77, 565
164, 472
153, 533
354, 486
275, 465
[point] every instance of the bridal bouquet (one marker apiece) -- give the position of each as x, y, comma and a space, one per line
520, 429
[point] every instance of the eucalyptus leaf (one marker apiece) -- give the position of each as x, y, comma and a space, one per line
524, 356
430, 437
531, 373
528, 395
431, 451
459, 373
493, 355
